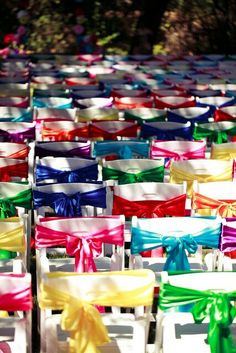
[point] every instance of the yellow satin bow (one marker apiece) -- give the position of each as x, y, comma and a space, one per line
81, 318
177, 176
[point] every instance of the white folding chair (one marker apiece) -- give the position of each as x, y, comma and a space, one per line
15, 329
181, 237
123, 332
211, 296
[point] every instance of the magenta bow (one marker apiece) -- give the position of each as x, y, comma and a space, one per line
83, 246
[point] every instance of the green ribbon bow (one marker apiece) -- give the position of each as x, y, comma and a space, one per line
8, 204
217, 135
216, 305
150, 175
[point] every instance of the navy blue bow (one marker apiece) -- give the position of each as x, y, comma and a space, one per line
70, 205
67, 176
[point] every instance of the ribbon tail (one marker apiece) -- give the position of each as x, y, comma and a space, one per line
177, 261
220, 339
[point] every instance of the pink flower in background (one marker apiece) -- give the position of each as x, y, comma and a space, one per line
9, 38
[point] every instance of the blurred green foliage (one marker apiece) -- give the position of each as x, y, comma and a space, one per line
127, 26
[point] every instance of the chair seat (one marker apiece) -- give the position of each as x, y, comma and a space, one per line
120, 329
12, 332
181, 332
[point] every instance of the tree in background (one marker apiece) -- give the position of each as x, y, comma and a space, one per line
124, 26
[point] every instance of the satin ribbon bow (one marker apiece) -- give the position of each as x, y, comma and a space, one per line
70, 205
86, 173
167, 134
81, 318
177, 176
7, 208
83, 247
122, 150
215, 135
81, 151
149, 209
64, 135
162, 152
130, 131
216, 305
154, 174
17, 170
228, 238
224, 208
143, 240
18, 137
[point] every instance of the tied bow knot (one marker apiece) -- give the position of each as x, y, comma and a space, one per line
176, 249
84, 323
227, 209
68, 205
85, 250
125, 152
7, 208
222, 314
148, 212
130, 178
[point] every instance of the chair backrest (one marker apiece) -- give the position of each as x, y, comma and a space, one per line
214, 198
125, 171
167, 130
113, 130
63, 149
77, 235
71, 199
66, 169
63, 131
180, 236
13, 114
203, 170
14, 237
149, 199
224, 151
14, 150
114, 289
17, 131
13, 287
13, 169
124, 149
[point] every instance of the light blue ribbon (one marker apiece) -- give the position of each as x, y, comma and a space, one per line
122, 149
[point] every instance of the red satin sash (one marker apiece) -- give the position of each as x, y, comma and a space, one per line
149, 209
16, 170
64, 135
130, 131
21, 154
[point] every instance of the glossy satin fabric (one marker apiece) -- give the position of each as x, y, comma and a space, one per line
17, 300
217, 136
96, 132
70, 205
152, 175
18, 170
122, 151
83, 247
177, 176
12, 240
223, 153
157, 151
21, 154
42, 104
176, 247
215, 304
81, 151
81, 318
224, 208
8, 204
149, 209
77, 175
228, 237
28, 134
64, 135
166, 134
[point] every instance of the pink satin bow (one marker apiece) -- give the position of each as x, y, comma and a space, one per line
162, 152
84, 247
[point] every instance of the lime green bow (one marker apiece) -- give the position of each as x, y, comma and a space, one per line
216, 305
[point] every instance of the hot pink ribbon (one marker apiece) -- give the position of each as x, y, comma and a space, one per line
18, 300
162, 152
83, 247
